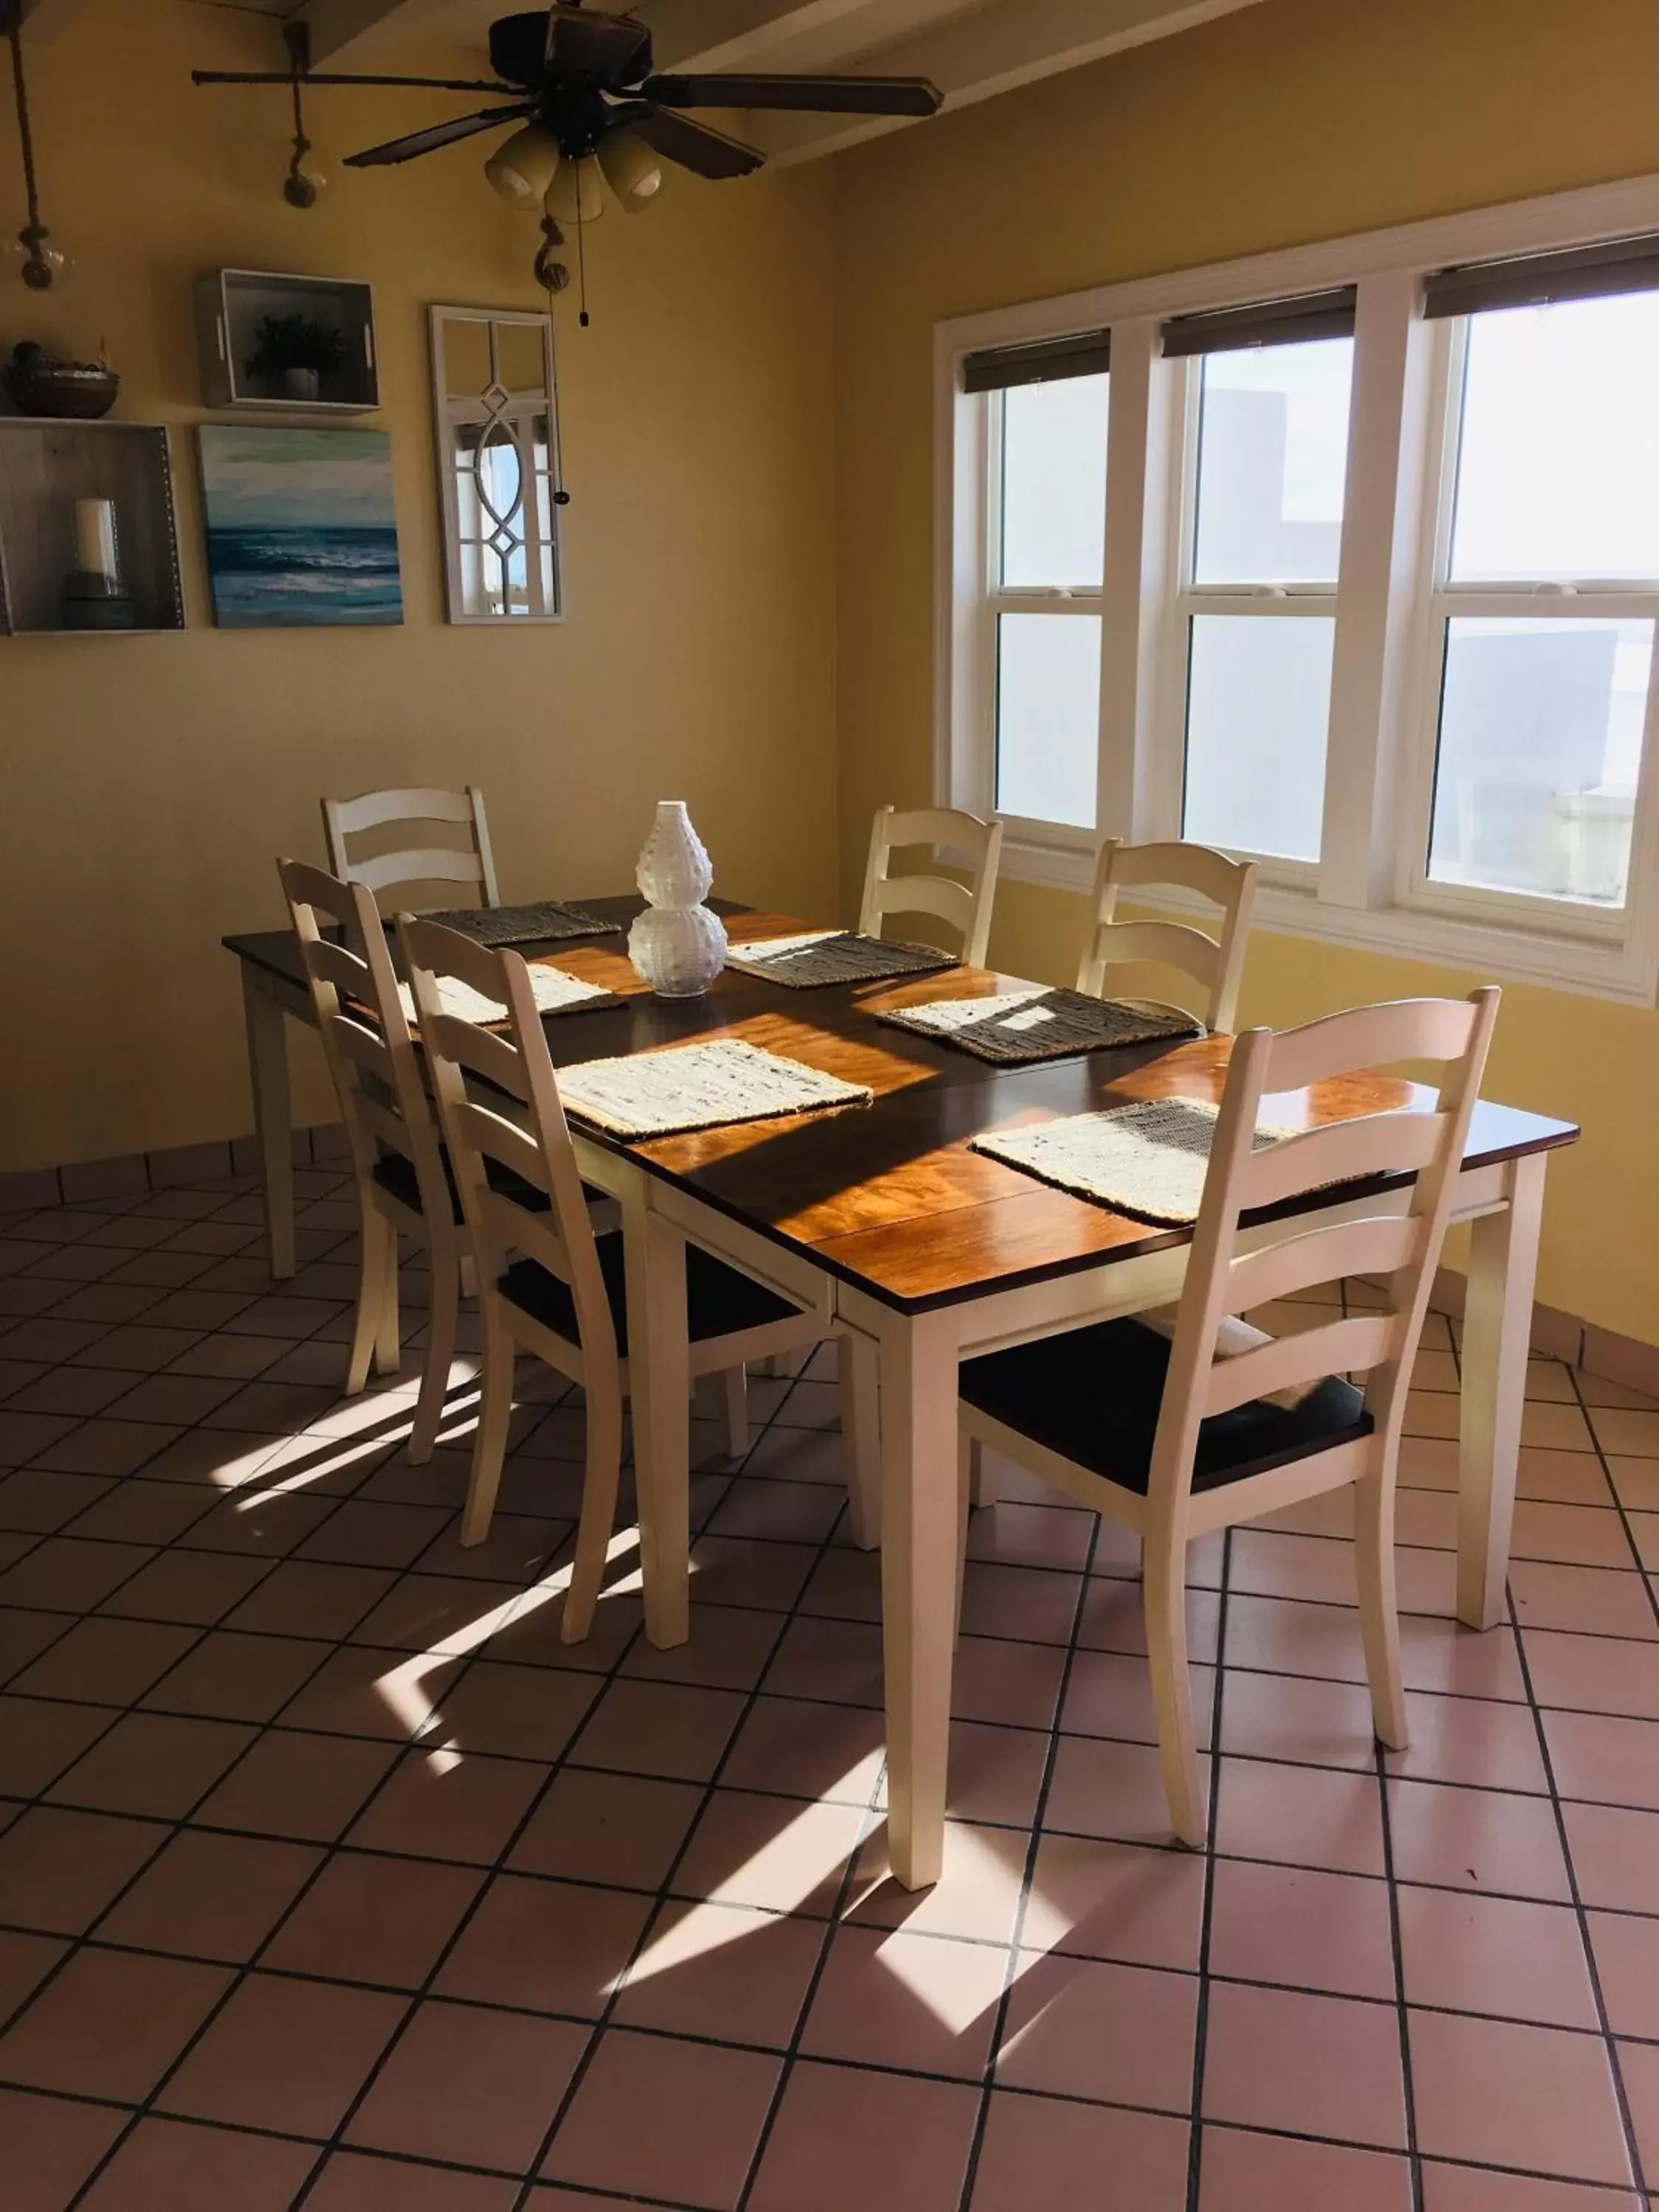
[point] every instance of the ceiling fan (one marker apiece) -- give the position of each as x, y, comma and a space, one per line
582, 89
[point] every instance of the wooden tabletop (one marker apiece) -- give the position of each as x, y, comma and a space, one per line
889, 1196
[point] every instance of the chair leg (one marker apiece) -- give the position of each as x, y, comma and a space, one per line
598, 1514
1379, 1613
388, 1337
1164, 1593
734, 1412
981, 1477
371, 1296
443, 1316
967, 1456
858, 1366
489, 1439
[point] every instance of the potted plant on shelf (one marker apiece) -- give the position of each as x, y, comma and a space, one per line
296, 353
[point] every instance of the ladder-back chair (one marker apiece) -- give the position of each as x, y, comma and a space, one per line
415, 862
547, 1284
1215, 965
1174, 1436
396, 1164
966, 907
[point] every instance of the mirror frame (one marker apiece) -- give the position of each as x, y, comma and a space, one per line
453, 410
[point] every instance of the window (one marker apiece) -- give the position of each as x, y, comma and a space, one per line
1050, 465
1548, 590
1267, 466
1362, 582
1045, 507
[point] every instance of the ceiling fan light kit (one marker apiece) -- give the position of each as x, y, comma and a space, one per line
632, 170
576, 193
521, 168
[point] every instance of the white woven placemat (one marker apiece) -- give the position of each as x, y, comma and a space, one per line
698, 1086
553, 990
1148, 1159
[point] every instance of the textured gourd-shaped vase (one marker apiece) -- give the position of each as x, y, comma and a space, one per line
677, 945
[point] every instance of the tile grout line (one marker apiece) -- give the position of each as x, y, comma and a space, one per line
1011, 1976
1609, 2041
1201, 2020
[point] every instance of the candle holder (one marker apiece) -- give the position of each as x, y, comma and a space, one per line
95, 595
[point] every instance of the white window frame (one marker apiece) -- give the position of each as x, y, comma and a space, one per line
1368, 889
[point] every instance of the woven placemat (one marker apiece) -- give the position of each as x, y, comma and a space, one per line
1148, 1159
1038, 1024
554, 990
836, 956
525, 925
698, 1086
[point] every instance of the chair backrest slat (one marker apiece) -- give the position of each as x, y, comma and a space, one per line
966, 907
1215, 963
1426, 1140
1376, 1246
513, 1061
365, 1032
414, 862
1340, 1151
1359, 1342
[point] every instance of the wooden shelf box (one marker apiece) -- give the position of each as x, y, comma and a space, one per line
231, 303
46, 466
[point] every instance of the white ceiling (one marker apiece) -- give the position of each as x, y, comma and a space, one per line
971, 49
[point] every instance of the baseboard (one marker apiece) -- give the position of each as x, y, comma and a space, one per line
85, 1181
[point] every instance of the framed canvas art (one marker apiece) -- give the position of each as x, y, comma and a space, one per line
301, 532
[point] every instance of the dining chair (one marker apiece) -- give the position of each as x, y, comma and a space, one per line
396, 1164
547, 1284
473, 863
966, 907
1215, 965
1177, 1436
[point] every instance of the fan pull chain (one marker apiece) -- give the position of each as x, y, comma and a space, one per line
581, 263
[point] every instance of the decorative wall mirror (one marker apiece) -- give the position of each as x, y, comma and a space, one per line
498, 464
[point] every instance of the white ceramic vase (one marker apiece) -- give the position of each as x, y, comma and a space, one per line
677, 945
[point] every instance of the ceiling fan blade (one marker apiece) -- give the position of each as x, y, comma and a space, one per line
814, 96
695, 146
320, 77
440, 134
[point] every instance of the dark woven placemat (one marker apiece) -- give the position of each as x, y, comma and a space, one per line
843, 957
525, 925
1031, 1025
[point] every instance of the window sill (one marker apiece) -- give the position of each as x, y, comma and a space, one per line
1621, 971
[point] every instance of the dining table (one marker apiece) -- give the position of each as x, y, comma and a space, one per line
882, 1218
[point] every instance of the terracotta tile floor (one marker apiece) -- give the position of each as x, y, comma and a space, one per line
328, 1877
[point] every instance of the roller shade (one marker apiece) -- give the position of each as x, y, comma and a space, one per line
999, 369
1538, 280
1268, 322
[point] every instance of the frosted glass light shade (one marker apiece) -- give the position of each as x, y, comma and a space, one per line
576, 193
523, 167
633, 172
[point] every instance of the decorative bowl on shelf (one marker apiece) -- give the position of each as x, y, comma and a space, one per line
37, 383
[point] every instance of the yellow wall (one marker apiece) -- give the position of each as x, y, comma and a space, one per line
147, 783
1291, 121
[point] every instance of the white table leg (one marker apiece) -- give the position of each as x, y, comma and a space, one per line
660, 1384
273, 1117
919, 1516
1496, 1335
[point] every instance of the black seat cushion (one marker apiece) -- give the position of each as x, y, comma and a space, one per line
1094, 1395
719, 1301
397, 1175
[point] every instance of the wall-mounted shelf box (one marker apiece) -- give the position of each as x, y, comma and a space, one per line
46, 466
231, 303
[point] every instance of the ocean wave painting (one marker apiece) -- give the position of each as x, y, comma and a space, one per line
301, 531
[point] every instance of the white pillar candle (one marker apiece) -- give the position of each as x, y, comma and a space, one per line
95, 539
